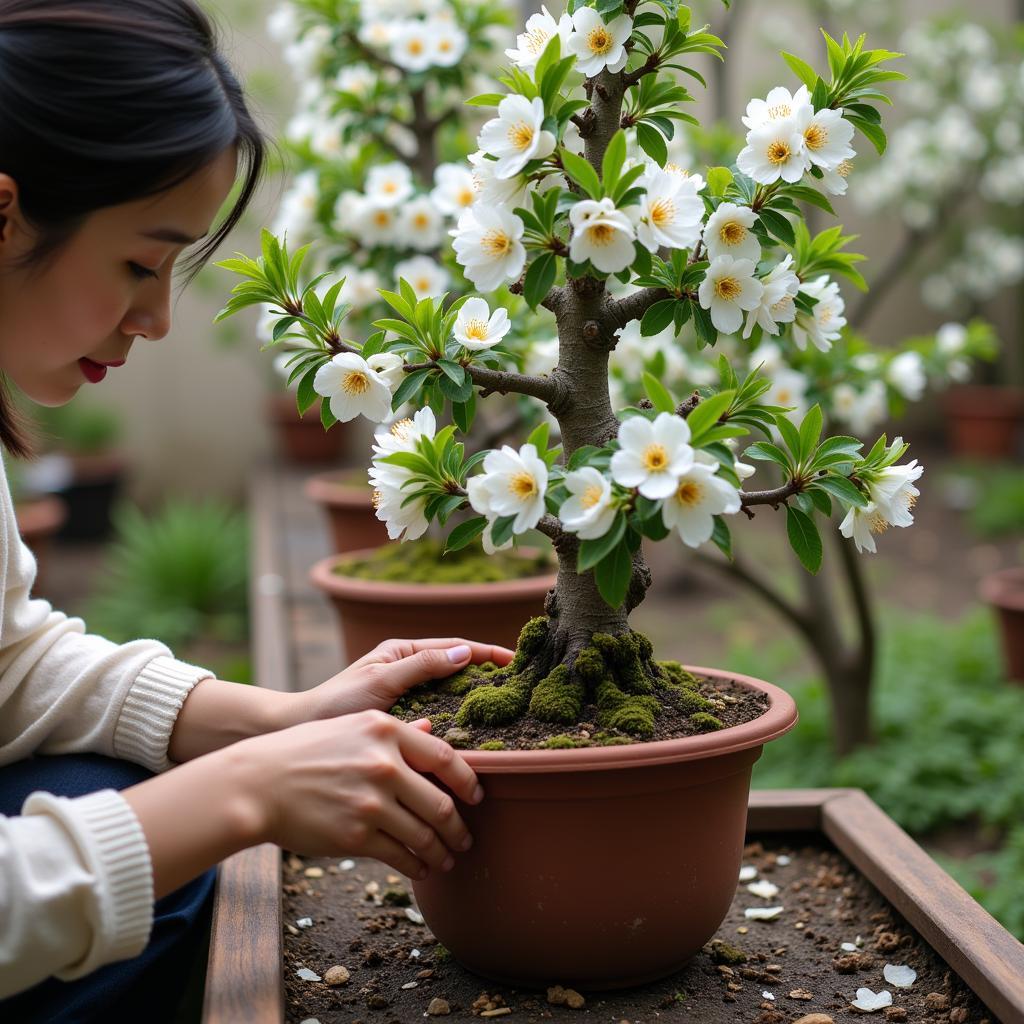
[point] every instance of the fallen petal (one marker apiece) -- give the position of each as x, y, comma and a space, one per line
848, 947
307, 975
869, 1001
783, 860
765, 889
414, 915
762, 913
347, 865
305, 922
899, 975
767, 995
748, 873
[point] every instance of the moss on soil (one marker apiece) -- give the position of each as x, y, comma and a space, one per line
613, 681
423, 562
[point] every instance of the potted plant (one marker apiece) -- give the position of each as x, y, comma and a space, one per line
1004, 592
602, 764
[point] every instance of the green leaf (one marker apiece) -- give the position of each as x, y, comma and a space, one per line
801, 69
306, 396
804, 538
455, 392
841, 488
658, 394
593, 551
657, 317
719, 179
810, 432
789, 434
485, 99
539, 437
707, 333
463, 413
765, 451
409, 388
464, 533
614, 158
777, 225
652, 142
707, 414
820, 500
613, 574
581, 172
456, 372
539, 278
838, 445
502, 530
872, 132
812, 196
722, 537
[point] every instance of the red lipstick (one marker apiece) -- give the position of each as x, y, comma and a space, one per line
93, 372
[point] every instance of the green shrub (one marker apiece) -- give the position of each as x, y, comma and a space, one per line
179, 576
78, 427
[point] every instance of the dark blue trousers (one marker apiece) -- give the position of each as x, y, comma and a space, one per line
147, 988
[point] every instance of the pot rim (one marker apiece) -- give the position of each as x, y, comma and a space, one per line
1004, 588
780, 717
323, 577
324, 489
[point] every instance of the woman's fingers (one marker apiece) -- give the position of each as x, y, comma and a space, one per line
478, 652
426, 753
436, 809
384, 848
416, 834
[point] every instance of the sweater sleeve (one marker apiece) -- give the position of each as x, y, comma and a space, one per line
76, 888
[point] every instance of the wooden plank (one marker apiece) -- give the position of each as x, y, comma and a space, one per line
988, 958
787, 810
244, 981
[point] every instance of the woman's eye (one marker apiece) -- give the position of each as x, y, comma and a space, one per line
140, 271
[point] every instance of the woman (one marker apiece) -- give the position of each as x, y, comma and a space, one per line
127, 774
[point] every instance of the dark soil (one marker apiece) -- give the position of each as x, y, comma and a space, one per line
737, 705
397, 968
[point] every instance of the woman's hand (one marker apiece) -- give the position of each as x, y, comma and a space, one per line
349, 786
380, 678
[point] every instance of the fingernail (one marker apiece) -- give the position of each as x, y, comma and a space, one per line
449, 863
457, 654
478, 794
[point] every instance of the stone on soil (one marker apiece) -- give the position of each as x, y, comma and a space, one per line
438, 1008
337, 975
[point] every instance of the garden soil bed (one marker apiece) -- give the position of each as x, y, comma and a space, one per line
358, 915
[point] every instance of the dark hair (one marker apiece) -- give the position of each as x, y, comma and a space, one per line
106, 101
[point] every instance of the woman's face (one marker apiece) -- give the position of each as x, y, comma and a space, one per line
64, 324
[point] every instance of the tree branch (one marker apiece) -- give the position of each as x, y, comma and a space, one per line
866, 649
774, 497
551, 389
550, 526
633, 307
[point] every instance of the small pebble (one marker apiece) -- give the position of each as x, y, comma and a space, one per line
311, 1020
895, 1013
767, 995
559, 996
314, 872
936, 1001
958, 1015
411, 984
307, 975
815, 1018
337, 975
438, 1008
347, 865
742, 930
782, 860
762, 913
501, 1011
748, 873
801, 993
415, 954
305, 922
414, 915
765, 889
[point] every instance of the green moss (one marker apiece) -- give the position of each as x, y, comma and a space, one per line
677, 675
706, 721
492, 745
604, 739
723, 953
494, 705
396, 898
441, 718
558, 697
424, 562
442, 955
532, 638
562, 742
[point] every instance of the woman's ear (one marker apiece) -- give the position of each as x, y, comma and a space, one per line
8, 207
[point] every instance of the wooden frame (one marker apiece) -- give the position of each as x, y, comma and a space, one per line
295, 646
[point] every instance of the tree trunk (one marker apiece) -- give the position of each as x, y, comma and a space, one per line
849, 685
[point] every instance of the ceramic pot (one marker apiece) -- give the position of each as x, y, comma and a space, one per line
303, 439
372, 611
349, 510
604, 867
1004, 591
985, 422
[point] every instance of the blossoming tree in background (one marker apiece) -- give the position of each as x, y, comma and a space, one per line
709, 255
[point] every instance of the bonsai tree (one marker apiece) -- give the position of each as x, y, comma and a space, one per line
601, 240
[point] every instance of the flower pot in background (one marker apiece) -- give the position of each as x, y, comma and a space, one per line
372, 611
39, 519
984, 421
347, 500
601, 867
1004, 591
303, 439
95, 485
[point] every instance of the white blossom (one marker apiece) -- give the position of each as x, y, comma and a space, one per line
699, 495
422, 224
862, 410
448, 42
779, 105
869, 1001
403, 520
727, 233
776, 305
488, 246
453, 189
514, 484
893, 491
729, 287
480, 501
492, 190
773, 151
652, 455
477, 328
597, 45
411, 47
670, 211
824, 325
426, 276
589, 511
826, 136
516, 135
788, 389
906, 374
353, 388
601, 234
540, 30
389, 184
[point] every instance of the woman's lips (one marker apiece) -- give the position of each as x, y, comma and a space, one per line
92, 371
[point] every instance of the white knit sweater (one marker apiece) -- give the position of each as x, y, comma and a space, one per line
76, 882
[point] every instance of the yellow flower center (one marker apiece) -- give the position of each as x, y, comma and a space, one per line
422, 284
416, 47
599, 40
355, 382
402, 429
782, 306
663, 211
732, 233
688, 493
843, 170
496, 243
382, 218
445, 45
390, 187
520, 134
877, 523
727, 288
782, 396
536, 40
824, 314
815, 135
522, 485
779, 111
655, 458
778, 152
601, 234
421, 220
591, 496
477, 329
466, 197
377, 499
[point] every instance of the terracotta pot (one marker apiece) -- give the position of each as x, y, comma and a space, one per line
304, 439
349, 511
605, 867
985, 421
38, 522
372, 611
1004, 591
